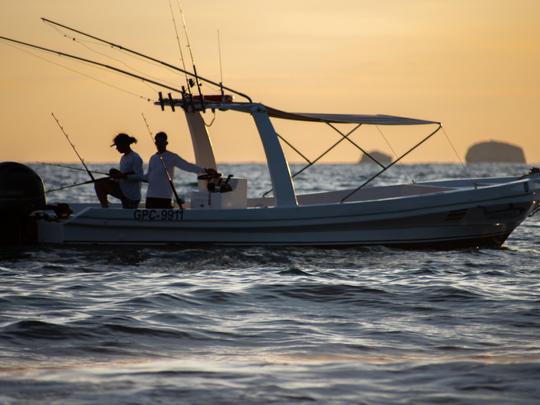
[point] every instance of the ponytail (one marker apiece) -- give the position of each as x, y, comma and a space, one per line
124, 139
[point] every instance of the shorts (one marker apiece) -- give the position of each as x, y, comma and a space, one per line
152, 202
114, 189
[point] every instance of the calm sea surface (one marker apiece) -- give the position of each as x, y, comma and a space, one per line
280, 325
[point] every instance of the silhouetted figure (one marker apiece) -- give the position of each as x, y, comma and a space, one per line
160, 192
124, 184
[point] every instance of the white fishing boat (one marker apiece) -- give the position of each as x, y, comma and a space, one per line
437, 214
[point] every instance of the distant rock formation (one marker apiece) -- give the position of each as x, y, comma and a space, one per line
495, 152
380, 156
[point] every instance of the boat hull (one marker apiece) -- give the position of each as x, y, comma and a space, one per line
466, 218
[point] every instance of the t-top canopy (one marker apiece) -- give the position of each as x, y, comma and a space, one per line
347, 118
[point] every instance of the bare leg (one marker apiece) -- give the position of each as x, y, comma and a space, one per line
102, 188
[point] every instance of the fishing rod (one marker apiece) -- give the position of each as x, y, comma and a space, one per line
179, 44
73, 168
188, 45
169, 178
75, 185
83, 183
73, 147
103, 65
114, 45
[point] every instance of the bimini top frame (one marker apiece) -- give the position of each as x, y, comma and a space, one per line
359, 119
282, 185
377, 119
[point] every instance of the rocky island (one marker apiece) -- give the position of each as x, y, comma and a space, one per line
380, 156
495, 152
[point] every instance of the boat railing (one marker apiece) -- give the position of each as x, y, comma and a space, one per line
367, 194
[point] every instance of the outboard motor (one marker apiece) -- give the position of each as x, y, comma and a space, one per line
21, 192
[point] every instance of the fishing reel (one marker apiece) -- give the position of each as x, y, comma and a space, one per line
215, 182
209, 174
62, 210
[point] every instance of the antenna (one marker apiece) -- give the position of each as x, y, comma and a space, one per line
220, 64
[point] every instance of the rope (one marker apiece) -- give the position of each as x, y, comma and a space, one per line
391, 164
455, 151
394, 154
311, 163
211, 122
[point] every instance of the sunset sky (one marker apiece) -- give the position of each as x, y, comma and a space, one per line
474, 65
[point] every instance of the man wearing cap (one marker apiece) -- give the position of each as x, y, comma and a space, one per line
124, 184
160, 169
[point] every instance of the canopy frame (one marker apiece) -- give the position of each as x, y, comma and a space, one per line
330, 119
258, 110
439, 126
311, 163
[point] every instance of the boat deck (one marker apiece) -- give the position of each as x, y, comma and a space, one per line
366, 194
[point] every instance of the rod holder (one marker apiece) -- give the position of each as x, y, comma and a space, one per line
161, 101
171, 101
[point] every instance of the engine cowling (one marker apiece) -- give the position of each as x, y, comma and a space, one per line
21, 192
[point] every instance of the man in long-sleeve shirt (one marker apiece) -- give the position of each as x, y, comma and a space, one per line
160, 191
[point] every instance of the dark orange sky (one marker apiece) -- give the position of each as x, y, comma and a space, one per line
471, 64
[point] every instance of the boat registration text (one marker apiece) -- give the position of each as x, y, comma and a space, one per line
157, 215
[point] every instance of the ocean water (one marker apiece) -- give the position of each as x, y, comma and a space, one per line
272, 325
